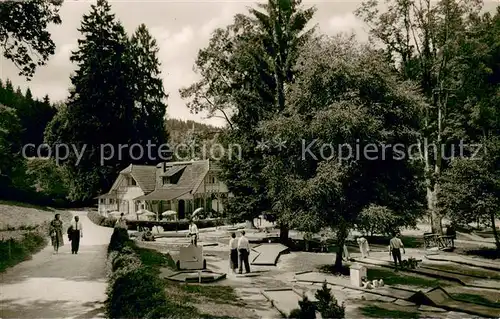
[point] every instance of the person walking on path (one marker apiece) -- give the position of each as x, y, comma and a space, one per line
56, 233
395, 246
233, 253
363, 246
193, 233
244, 250
121, 222
75, 232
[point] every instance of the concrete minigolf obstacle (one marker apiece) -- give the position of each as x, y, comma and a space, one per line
192, 267
268, 254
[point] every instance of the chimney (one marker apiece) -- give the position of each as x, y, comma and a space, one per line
164, 164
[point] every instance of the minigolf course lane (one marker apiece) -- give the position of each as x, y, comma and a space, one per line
268, 254
59, 286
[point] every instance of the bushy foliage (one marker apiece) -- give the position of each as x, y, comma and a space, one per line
135, 294
119, 240
327, 305
377, 220
14, 251
100, 220
134, 290
307, 310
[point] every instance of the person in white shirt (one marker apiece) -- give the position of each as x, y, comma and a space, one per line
363, 246
75, 232
395, 246
193, 233
244, 250
233, 253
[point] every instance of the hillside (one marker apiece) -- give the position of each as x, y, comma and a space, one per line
178, 129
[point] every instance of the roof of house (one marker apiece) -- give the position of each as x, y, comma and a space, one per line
192, 176
144, 175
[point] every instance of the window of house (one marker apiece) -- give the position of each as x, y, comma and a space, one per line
166, 180
132, 182
102, 201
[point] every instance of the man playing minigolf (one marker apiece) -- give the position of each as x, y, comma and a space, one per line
395, 246
193, 232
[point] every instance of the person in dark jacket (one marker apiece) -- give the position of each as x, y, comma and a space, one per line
451, 231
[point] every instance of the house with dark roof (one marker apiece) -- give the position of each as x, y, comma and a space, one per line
186, 186
132, 182
178, 186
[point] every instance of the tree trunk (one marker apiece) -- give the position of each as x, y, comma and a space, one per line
341, 237
284, 231
436, 218
495, 232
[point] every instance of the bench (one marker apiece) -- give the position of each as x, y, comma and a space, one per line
442, 242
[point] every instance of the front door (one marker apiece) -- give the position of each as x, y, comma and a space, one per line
182, 209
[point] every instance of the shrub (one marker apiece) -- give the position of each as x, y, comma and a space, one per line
135, 294
119, 239
307, 310
327, 305
123, 261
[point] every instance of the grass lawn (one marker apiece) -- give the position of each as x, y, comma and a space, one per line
184, 297
391, 277
475, 299
26, 205
379, 312
408, 241
462, 269
21, 216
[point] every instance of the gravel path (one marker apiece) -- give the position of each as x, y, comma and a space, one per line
59, 286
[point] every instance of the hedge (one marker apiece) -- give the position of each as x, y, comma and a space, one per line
134, 290
100, 220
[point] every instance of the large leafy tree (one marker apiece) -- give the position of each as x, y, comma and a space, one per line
24, 37
244, 71
471, 188
344, 95
422, 40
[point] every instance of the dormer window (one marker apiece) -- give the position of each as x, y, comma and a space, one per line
132, 182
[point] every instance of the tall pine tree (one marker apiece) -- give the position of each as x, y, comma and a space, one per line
100, 109
117, 100
148, 91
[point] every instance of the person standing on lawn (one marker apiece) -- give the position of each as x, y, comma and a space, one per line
244, 250
193, 232
395, 246
56, 233
75, 232
233, 253
363, 246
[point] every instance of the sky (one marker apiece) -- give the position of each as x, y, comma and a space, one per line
181, 29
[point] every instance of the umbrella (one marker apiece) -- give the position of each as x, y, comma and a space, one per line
169, 213
142, 211
148, 213
197, 211
115, 213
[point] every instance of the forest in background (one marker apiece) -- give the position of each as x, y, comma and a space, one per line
40, 181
